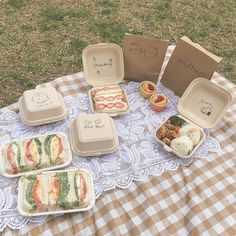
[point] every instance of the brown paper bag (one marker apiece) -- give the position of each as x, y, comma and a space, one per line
188, 61
143, 57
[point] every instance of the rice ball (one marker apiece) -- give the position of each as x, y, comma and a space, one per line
182, 145
192, 132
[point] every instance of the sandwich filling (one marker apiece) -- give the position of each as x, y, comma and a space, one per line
35, 153
65, 190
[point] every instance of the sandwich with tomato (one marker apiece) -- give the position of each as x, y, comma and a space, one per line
36, 195
64, 190
23, 156
68, 190
34, 153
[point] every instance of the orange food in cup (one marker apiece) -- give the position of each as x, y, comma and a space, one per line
147, 89
158, 102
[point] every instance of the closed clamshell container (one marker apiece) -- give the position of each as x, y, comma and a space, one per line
93, 135
35, 154
41, 106
202, 106
104, 69
56, 192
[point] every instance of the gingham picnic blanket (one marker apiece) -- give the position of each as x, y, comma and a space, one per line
196, 200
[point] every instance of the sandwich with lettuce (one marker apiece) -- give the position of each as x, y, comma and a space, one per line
35, 153
62, 190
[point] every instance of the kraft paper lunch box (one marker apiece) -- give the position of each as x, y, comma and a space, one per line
55, 192
202, 105
104, 69
93, 135
41, 106
35, 154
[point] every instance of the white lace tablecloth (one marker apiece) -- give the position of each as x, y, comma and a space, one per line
138, 155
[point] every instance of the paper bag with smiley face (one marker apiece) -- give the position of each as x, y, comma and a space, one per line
143, 57
188, 61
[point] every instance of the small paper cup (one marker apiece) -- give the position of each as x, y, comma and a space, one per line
158, 107
144, 93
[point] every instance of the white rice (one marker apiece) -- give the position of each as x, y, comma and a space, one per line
192, 131
182, 145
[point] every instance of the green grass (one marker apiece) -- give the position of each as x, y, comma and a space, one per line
110, 30
14, 76
56, 14
47, 25
40, 41
17, 4
77, 44
53, 13
109, 7
82, 12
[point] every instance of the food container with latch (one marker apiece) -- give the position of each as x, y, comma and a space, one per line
55, 192
35, 154
104, 69
201, 106
41, 106
93, 135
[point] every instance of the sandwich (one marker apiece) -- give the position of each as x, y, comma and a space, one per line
53, 147
68, 190
36, 196
13, 155
109, 99
34, 153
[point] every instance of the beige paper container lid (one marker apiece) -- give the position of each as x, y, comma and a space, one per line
204, 103
40, 106
103, 64
93, 134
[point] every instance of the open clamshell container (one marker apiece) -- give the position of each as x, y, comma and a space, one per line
93, 135
35, 154
104, 69
56, 192
202, 105
41, 106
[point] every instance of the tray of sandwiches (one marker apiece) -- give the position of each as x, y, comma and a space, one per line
35, 154
55, 192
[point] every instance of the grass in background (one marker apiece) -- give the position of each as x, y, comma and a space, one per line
44, 40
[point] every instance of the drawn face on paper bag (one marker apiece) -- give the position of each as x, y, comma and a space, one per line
135, 48
151, 52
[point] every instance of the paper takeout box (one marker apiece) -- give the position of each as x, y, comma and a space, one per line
103, 66
202, 104
41, 106
93, 135
188, 61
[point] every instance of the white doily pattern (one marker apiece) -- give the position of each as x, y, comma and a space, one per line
138, 155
